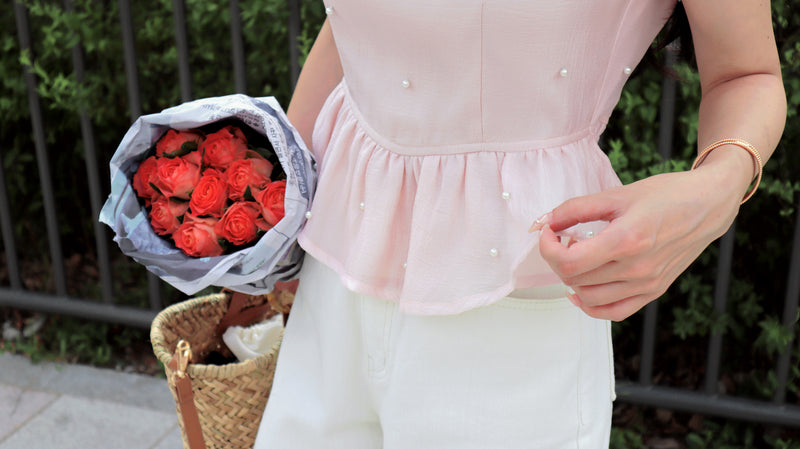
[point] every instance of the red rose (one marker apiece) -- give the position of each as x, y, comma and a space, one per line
271, 201
223, 147
165, 213
210, 195
174, 139
176, 177
142, 179
252, 172
196, 237
195, 157
240, 223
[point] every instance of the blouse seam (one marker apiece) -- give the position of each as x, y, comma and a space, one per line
481, 147
480, 98
337, 130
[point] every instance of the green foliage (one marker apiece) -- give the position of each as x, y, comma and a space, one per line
727, 436
775, 337
763, 231
732, 435
78, 341
779, 443
102, 93
696, 317
763, 236
622, 438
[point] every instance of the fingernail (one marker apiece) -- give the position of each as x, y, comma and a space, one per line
570, 291
539, 223
575, 300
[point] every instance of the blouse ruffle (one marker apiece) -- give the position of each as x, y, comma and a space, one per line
440, 231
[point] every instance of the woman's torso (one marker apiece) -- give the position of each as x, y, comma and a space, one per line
456, 125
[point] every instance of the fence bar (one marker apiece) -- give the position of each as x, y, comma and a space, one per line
777, 412
135, 108
93, 176
62, 305
666, 127
131, 68
237, 48
720, 304
294, 34
789, 314
182, 45
7, 231
722, 406
648, 343
48, 200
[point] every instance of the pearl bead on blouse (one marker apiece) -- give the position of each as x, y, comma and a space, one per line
406, 84
328, 10
627, 70
506, 195
493, 252
308, 215
362, 205
563, 73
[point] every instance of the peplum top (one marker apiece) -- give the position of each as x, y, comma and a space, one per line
457, 123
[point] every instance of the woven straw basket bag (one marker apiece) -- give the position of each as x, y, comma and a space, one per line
219, 406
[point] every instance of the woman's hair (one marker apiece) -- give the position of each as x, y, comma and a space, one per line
675, 36
676, 32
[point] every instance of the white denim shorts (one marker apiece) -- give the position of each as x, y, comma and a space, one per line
355, 373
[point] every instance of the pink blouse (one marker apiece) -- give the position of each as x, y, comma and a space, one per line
457, 124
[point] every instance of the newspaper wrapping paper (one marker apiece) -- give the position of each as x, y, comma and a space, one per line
253, 270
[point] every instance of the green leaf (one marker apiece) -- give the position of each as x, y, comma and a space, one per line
267, 154
695, 441
248, 194
154, 187
183, 150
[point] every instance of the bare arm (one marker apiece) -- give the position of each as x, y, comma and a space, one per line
740, 76
321, 72
659, 225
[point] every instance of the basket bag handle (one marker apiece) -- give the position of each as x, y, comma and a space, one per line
237, 315
183, 387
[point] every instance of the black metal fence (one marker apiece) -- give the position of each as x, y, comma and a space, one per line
642, 391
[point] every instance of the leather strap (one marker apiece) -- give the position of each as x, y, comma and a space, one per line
239, 315
183, 387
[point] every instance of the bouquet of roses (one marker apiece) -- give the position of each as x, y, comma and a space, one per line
212, 192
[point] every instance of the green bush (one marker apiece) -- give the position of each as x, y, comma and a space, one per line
103, 95
764, 229
751, 325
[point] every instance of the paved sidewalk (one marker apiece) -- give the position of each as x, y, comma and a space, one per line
53, 405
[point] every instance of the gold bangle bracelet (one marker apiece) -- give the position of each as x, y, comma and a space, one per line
757, 163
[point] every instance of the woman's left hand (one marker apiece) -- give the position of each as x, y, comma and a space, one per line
659, 225
657, 228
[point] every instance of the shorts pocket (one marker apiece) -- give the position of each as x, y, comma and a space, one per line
533, 304
596, 376
548, 297
377, 316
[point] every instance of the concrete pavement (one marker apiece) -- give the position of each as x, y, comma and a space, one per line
53, 405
